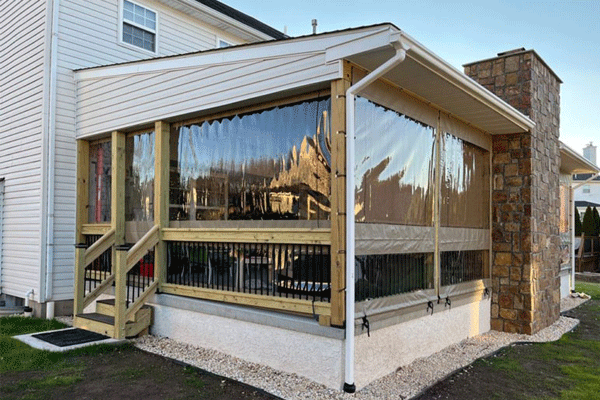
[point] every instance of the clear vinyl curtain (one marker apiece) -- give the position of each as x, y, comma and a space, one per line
268, 165
100, 182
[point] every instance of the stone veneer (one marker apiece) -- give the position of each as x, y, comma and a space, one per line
525, 194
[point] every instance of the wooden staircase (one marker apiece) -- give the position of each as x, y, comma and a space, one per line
103, 320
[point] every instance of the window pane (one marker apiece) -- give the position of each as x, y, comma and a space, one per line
268, 165
100, 183
394, 171
128, 6
128, 15
139, 37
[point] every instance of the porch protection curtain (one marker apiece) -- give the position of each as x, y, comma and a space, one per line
271, 165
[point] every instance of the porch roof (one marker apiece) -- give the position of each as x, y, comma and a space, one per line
572, 162
239, 75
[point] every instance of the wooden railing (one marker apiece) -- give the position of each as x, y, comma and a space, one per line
588, 254
85, 256
128, 300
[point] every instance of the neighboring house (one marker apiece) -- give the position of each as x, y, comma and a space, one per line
571, 164
227, 188
587, 192
41, 43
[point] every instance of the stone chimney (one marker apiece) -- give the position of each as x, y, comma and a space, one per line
525, 197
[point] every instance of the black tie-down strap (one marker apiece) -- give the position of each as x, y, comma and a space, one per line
365, 324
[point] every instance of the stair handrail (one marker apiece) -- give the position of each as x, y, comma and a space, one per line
142, 246
99, 247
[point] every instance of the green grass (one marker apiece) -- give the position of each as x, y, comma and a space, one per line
593, 289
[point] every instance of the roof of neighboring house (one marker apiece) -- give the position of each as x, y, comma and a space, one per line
585, 177
243, 18
572, 162
581, 203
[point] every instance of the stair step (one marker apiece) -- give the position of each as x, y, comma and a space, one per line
105, 324
107, 307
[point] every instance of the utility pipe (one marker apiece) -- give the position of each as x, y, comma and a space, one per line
51, 157
352, 91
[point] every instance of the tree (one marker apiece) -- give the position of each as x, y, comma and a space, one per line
597, 221
589, 227
578, 226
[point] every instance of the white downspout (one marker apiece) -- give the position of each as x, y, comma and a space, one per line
51, 160
352, 91
573, 211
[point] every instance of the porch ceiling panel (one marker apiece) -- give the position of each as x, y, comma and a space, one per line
572, 162
434, 81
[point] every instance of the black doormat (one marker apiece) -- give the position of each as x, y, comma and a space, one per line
70, 337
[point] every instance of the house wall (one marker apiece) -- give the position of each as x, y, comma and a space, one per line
526, 204
593, 196
88, 37
22, 95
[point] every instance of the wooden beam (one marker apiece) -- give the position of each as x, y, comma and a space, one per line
117, 204
79, 283
120, 293
338, 196
139, 250
254, 300
99, 247
95, 229
274, 235
83, 179
162, 164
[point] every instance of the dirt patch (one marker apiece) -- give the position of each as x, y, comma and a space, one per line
123, 372
531, 371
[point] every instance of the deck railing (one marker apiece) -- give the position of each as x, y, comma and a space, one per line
298, 271
99, 269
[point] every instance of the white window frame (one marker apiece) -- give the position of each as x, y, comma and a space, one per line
586, 189
145, 28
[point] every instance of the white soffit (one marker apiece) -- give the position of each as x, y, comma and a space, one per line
572, 162
435, 81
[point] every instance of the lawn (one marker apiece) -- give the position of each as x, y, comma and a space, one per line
101, 372
567, 369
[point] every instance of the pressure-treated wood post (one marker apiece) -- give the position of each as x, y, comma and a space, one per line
118, 223
338, 197
120, 291
161, 196
81, 217
78, 287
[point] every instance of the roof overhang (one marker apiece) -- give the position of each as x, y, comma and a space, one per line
422, 74
572, 162
221, 21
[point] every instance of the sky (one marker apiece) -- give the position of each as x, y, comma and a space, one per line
566, 35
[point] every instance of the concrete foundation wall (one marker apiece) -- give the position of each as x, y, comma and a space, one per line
315, 355
392, 347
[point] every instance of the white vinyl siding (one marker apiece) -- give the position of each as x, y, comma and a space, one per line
89, 36
22, 47
119, 102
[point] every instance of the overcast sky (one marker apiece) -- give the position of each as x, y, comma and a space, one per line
566, 34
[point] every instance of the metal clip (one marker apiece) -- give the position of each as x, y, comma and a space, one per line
486, 293
448, 303
365, 324
430, 305
340, 96
341, 132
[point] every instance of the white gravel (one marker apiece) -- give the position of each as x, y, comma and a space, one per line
406, 382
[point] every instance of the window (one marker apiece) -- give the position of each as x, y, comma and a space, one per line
139, 26
586, 189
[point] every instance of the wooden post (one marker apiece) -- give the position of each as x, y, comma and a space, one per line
81, 217
79, 285
119, 254
120, 292
338, 196
162, 163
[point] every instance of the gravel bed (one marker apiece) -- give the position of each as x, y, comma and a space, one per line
406, 382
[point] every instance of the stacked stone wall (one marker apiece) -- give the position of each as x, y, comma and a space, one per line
525, 195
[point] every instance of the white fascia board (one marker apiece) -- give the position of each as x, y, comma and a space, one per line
580, 162
435, 64
226, 20
369, 42
228, 55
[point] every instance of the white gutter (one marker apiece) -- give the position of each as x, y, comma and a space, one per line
401, 49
